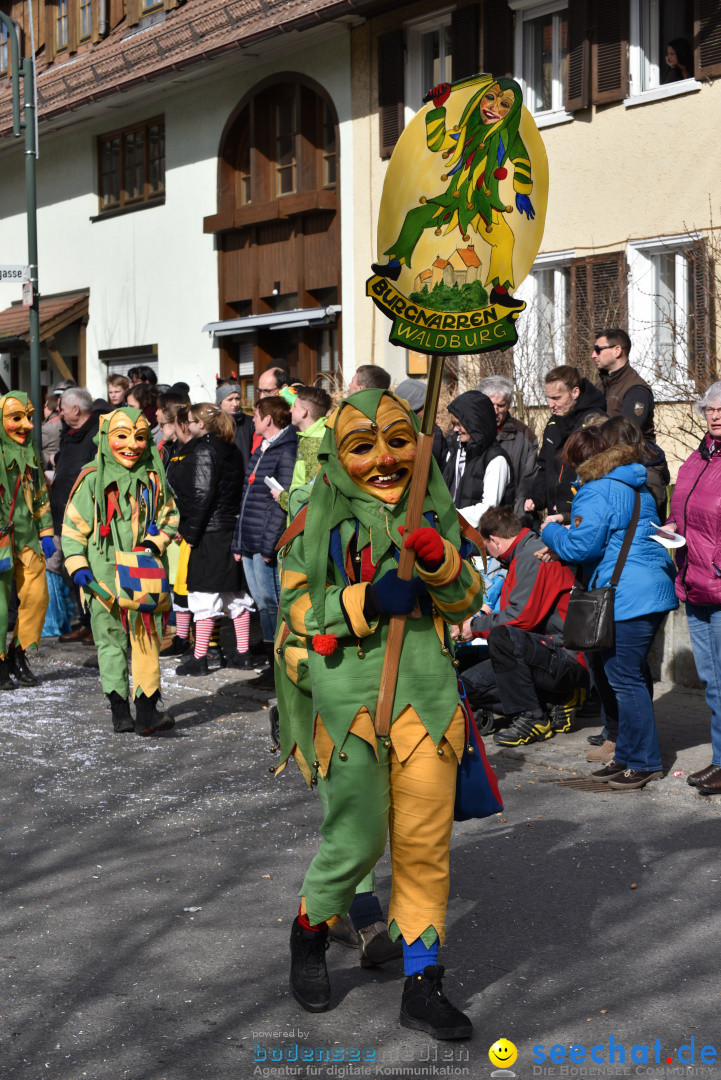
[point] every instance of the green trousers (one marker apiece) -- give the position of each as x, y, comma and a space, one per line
112, 640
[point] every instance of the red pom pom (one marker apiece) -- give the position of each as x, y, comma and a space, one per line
501, 173
325, 644
104, 530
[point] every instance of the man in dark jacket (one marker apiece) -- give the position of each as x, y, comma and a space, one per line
262, 521
477, 470
528, 666
77, 449
572, 400
625, 392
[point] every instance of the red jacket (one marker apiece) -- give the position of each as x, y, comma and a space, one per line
535, 594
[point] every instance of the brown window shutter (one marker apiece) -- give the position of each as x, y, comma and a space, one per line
465, 34
497, 38
702, 336
579, 57
390, 89
598, 300
50, 13
168, 5
609, 53
73, 31
132, 12
707, 38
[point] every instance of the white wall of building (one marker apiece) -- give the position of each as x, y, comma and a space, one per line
153, 273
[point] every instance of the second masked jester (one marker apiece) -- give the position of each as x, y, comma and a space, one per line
27, 525
339, 588
121, 503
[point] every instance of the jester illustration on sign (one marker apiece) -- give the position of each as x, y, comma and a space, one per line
465, 248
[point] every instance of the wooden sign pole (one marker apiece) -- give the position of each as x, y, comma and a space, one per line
414, 519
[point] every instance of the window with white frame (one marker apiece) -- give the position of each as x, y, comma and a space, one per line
429, 58
660, 310
540, 51
547, 293
4, 48
661, 47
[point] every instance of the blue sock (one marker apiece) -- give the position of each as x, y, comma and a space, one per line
417, 956
365, 909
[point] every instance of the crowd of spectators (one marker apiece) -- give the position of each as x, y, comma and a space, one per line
552, 513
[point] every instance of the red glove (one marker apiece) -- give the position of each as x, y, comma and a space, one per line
440, 94
428, 546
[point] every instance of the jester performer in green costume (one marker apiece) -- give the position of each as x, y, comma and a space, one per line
122, 504
339, 586
477, 153
26, 538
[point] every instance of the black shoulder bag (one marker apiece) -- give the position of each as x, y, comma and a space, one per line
590, 623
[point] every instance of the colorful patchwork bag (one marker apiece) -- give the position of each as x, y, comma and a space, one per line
7, 537
141, 582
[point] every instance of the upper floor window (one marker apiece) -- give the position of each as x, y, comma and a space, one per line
149, 5
429, 58
660, 45
541, 49
86, 20
282, 143
4, 49
284, 138
131, 166
61, 26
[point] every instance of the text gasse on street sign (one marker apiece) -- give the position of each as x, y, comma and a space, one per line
14, 272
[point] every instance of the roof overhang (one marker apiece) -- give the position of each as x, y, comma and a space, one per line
274, 320
56, 312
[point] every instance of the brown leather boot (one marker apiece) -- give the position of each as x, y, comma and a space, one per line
602, 753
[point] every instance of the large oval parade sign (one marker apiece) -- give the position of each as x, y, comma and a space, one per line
461, 219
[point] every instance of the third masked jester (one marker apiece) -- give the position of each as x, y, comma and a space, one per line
339, 588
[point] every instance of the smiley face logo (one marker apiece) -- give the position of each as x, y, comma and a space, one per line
503, 1054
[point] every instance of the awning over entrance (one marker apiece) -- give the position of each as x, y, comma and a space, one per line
56, 312
274, 320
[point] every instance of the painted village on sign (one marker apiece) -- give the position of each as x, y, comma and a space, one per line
461, 219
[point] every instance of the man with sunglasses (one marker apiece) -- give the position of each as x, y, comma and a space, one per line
625, 391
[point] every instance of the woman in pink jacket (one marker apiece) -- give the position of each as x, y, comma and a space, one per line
696, 515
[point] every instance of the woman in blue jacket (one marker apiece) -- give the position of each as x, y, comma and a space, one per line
600, 515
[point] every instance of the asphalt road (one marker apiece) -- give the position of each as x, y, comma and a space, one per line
149, 887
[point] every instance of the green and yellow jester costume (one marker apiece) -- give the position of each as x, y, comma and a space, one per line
26, 519
477, 152
121, 505
330, 645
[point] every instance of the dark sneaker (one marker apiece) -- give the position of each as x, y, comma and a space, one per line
193, 666
376, 946
596, 740
524, 729
309, 981
564, 715
179, 646
424, 1007
632, 779
344, 933
608, 772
